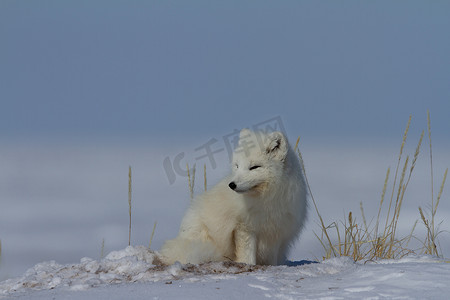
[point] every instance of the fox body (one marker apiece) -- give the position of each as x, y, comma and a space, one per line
253, 215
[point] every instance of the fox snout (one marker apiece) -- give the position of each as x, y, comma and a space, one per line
232, 185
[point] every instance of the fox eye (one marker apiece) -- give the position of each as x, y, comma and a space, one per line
236, 166
254, 167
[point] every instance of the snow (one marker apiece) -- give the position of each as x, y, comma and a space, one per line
136, 273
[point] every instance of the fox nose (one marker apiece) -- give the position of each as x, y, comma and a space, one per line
232, 185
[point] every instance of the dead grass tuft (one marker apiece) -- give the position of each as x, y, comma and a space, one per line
370, 241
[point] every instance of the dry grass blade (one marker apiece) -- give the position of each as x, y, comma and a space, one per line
129, 204
296, 144
441, 189
325, 248
151, 237
416, 155
429, 244
363, 216
324, 229
433, 232
411, 234
340, 244
102, 249
431, 172
405, 134
431, 157
191, 180
204, 176
383, 194
392, 228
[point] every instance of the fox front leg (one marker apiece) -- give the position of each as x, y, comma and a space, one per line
245, 246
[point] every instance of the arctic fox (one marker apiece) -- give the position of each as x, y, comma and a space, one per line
252, 216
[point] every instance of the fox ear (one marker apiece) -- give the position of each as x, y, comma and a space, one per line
276, 146
244, 133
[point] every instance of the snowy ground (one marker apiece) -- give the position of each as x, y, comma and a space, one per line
131, 274
59, 202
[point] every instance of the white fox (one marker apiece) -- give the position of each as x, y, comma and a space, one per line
252, 216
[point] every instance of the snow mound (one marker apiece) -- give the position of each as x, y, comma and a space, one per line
128, 265
134, 264
334, 277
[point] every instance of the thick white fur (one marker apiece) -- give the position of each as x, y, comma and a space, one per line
255, 223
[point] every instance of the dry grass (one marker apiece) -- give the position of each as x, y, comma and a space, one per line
151, 237
129, 205
322, 224
129, 214
370, 241
191, 180
102, 250
429, 244
204, 177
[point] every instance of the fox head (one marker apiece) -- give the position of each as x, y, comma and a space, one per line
258, 161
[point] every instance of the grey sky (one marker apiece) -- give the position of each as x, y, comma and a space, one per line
196, 68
